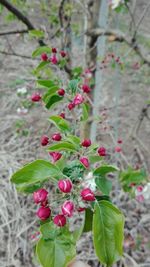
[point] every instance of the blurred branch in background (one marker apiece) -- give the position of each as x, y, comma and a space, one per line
20, 16
118, 36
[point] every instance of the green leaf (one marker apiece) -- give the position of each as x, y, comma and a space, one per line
62, 146
40, 50
85, 111
77, 71
132, 176
28, 188
73, 86
60, 123
36, 171
58, 251
73, 139
49, 231
40, 66
88, 220
94, 158
46, 83
104, 185
108, 225
36, 33
74, 170
52, 100
105, 169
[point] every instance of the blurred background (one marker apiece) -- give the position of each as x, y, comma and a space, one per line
112, 39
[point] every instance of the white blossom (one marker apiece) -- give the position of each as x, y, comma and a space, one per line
115, 3
90, 181
22, 111
146, 191
22, 91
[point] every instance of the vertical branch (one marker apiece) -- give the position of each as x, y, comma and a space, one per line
101, 45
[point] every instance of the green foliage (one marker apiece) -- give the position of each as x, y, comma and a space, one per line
74, 171
60, 123
73, 86
104, 185
34, 172
108, 224
88, 220
40, 50
56, 247
36, 33
85, 112
105, 169
62, 146
132, 176
52, 100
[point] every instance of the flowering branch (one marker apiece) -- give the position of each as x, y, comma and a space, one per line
119, 36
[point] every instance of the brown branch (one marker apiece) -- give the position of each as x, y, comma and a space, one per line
119, 36
13, 32
20, 16
16, 55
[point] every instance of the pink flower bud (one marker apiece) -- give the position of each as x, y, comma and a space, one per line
56, 137
54, 50
87, 194
36, 97
68, 208
80, 209
78, 99
102, 151
43, 213
59, 220
86, 143
118, 149
61, 92
40, 195
65, 185
44, 140
139, 188
71, 106
44, 57
86, 88
54, 59
62, 115
85, 162
63, 53
55, 155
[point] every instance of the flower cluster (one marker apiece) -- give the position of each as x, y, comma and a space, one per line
110, 60
67, 208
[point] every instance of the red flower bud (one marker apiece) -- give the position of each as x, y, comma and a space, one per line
86, 143
85, 162
54, 59
102, 151
44, 140
59, 220
87, 194
61, 92
68, 208
56, 137
78, 99
71, 106
44, 57
36, 97
54, 50
86, 88
118, 149
62, 115
80, 209
63, 53
43, 213
65, 185
119, 141
40, 195
55, 155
